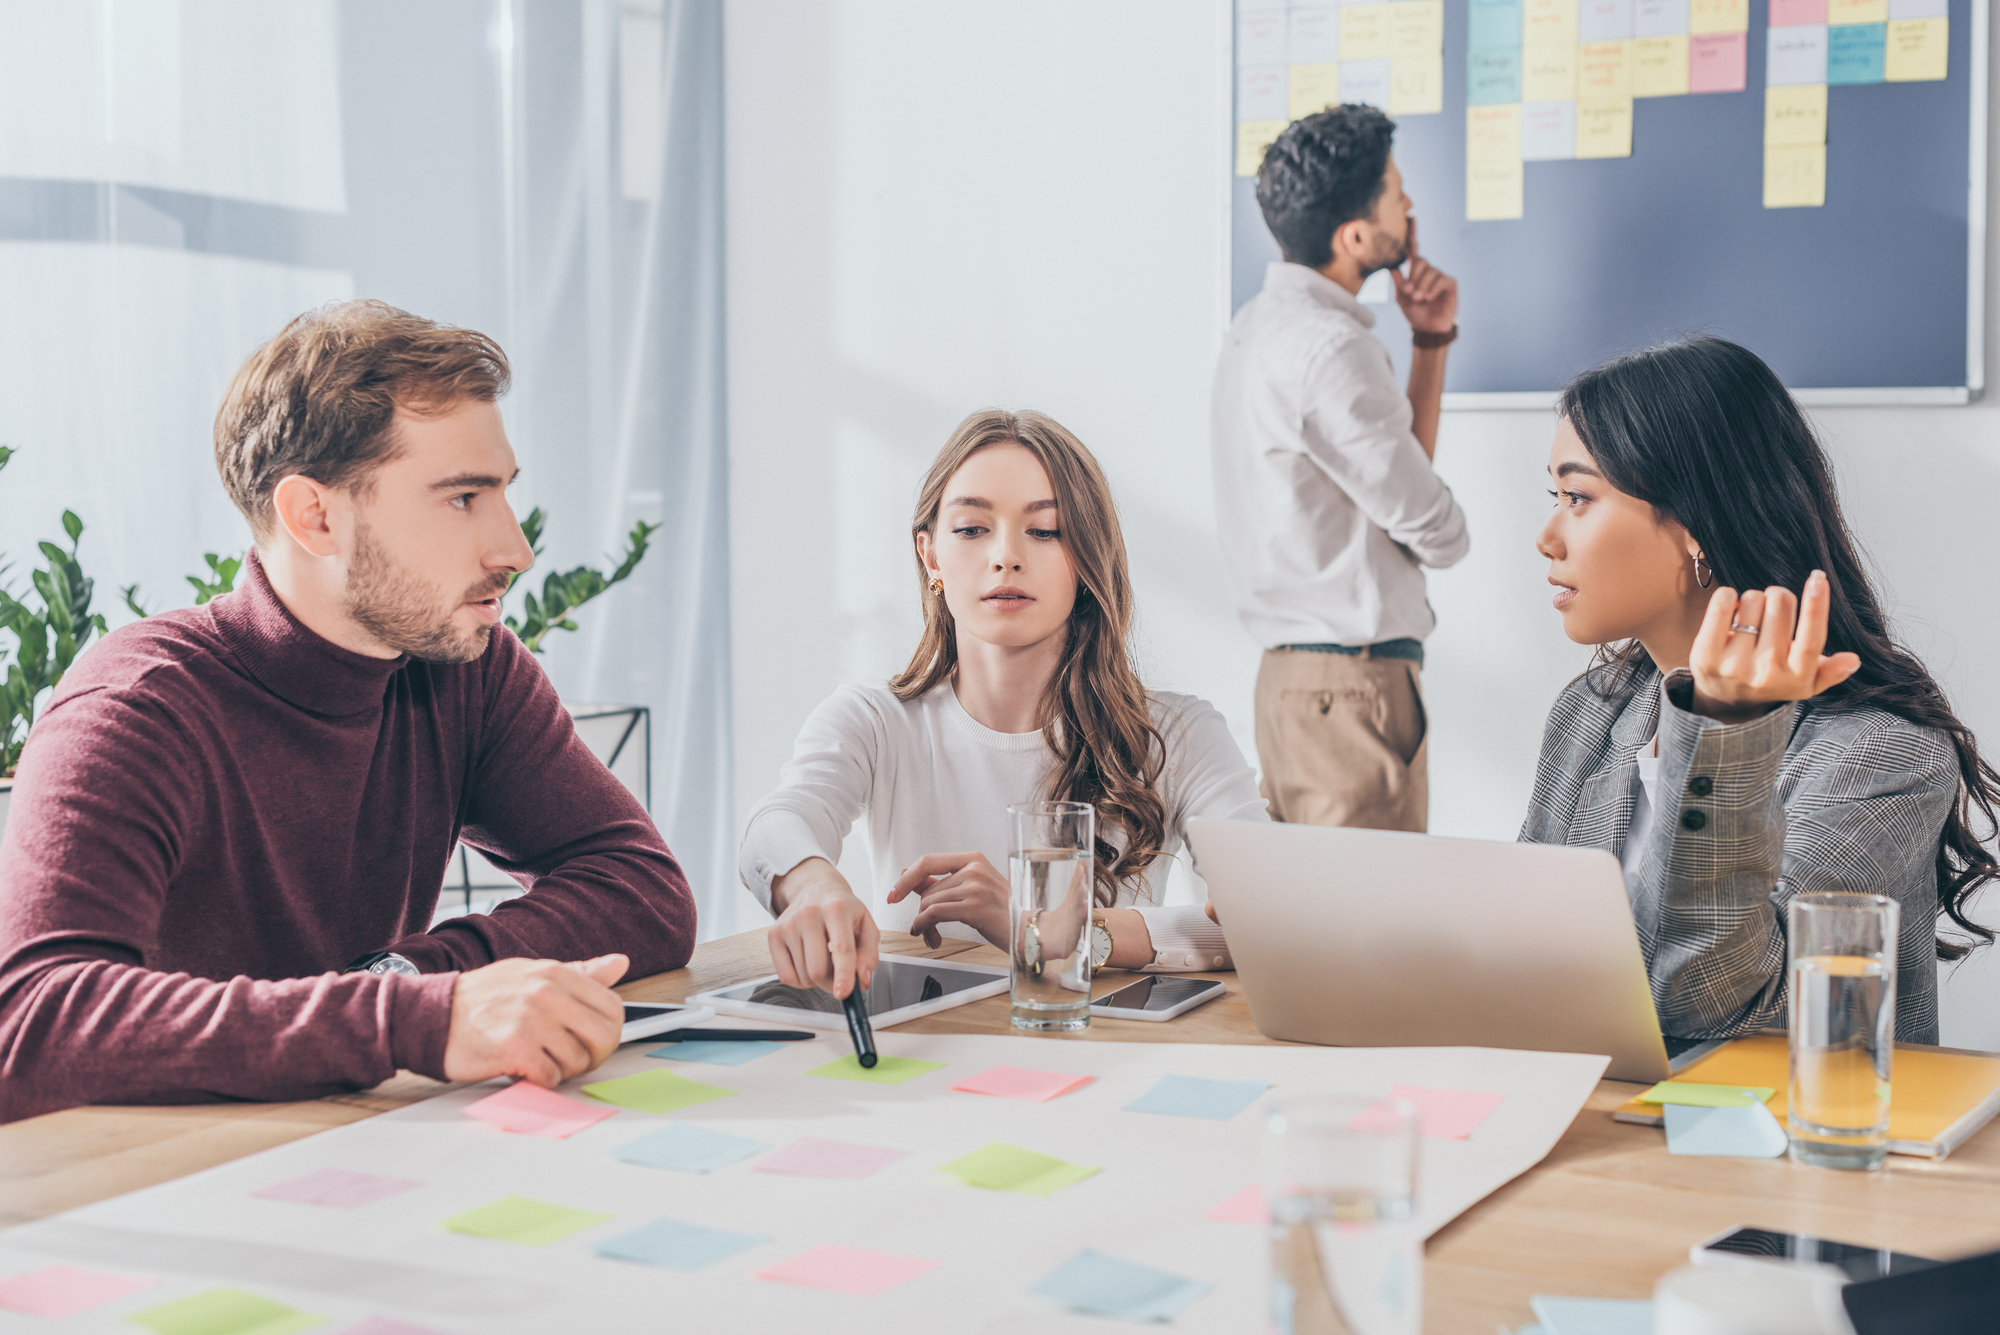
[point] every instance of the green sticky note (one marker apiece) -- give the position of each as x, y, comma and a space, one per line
1705, 1096
1001, 1167
656, 1091
518, 1219
886, 1071
224, 1312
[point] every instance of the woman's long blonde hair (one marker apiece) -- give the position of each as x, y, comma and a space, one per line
1095, 715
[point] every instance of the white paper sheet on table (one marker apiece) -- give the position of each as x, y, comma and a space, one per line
1159, 1175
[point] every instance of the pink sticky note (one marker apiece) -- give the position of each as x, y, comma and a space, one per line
1442, 1114
1717, 62
531, 1110
382, 1325
827, 1158
847, 1270
1018, 1082
61, 1290
1245, 1207
335, 1187
1788, 13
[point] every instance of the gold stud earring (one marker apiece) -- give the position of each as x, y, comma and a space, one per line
937, 584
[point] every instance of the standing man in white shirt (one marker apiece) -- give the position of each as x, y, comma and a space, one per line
1326, 502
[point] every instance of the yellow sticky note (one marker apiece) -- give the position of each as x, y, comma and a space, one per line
1492, 190
1548, 25
1795, 115
1794, 176
1313, 88
1252, 138
1917, 50
1660, 66
1416, 28
1365, 32
1721, 15
1493, 133
1605, 70
1416, 86
1549, 75
1852, 11
1604, 127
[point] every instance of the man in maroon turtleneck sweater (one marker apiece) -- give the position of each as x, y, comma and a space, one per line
223, 809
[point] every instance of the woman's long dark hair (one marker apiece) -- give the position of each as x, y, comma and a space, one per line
1703, 432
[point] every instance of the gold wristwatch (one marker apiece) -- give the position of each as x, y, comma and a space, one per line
1100, 942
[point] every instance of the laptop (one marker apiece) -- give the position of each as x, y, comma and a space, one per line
1373, 938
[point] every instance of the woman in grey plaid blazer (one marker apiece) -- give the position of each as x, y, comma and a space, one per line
1791, 744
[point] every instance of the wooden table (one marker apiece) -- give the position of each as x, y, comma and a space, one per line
1604, 1215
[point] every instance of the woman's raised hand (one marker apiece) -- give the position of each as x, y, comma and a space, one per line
1759, 649
955, 887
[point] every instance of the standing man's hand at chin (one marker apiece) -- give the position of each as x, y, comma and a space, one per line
824, 937
541, 1020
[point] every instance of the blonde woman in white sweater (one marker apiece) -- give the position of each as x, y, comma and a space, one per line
1021, 689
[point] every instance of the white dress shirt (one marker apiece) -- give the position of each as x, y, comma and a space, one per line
933, 779
1326, 505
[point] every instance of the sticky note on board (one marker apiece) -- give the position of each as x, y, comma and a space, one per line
1313, 88
63, 1290
1252, 138
847, 1270
999, 1167
1365, 32
1019, 1082
1718, 16
1660, 18
519, 1219
674, 1245
1604, 70
1416, 86
1917, 50
1794, 176
1314, 35
1261, 35
1919, 9
1106, 1286
1493, 24
886, 1070
1748, 1132
1603, 21
1548, 75
1492, 77
1495, 191
1548, 25
1593, 1316
1192, 1096
1604, 127
1857, 54
1795, 115
810, 1156
1796, 55
657, 1091
1416, 29
1548, 131
1791, 13
1660, 66
224, 1312
1247, 1206
1260, 92
1857, 11
1493, 134
1365, 81
1718, 62
687, 1148
1705, 1096
716, 1054
530, 1110
337, 1188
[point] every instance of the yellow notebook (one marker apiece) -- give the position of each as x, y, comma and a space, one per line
1938, 1096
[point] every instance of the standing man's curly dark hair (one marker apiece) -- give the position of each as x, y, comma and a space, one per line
1324, 170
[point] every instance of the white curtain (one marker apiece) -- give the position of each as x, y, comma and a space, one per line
180, 177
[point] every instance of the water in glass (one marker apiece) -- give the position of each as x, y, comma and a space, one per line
1346, 1253
1843, 1012
1050, 930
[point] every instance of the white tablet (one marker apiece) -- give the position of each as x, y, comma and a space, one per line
1157, 997
904, 988
643, 1019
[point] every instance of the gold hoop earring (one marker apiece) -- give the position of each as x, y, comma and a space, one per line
936, 585
1704, 573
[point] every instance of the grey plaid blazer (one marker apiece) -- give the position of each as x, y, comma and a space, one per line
1748, 816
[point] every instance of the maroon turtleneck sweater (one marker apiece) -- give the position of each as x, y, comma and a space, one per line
219, 810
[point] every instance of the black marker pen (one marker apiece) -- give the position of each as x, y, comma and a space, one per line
857, 1025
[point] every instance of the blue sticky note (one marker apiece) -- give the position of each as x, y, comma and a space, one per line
716, 1054
1106, 1286
677, 1246
1495, 24
1856, 52
1749, 1132
688, 1148
1188, 1096
1492, 76
1593, 1316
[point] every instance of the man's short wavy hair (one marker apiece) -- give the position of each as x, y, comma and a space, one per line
1326, 169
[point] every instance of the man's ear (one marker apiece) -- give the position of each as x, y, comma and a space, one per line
300, 507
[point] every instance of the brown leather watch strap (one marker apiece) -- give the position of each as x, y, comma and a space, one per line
1421, 339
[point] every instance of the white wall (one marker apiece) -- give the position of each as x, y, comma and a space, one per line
933, 208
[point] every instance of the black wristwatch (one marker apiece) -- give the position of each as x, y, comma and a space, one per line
383, 962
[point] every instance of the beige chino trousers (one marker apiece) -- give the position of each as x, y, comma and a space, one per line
1342, 740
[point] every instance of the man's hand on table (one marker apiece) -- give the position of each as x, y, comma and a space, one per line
541, 1020
824, 937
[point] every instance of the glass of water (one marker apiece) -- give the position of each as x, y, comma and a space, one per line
1346, 1255
1049, 863
1842, 960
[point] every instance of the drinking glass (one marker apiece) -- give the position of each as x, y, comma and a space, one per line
1049, 864
1842, 961
1340, 1176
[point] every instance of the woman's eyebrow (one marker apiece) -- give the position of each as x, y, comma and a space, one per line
976, 502
1563, 470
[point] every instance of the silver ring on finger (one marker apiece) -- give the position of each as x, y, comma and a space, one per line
1735, 629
